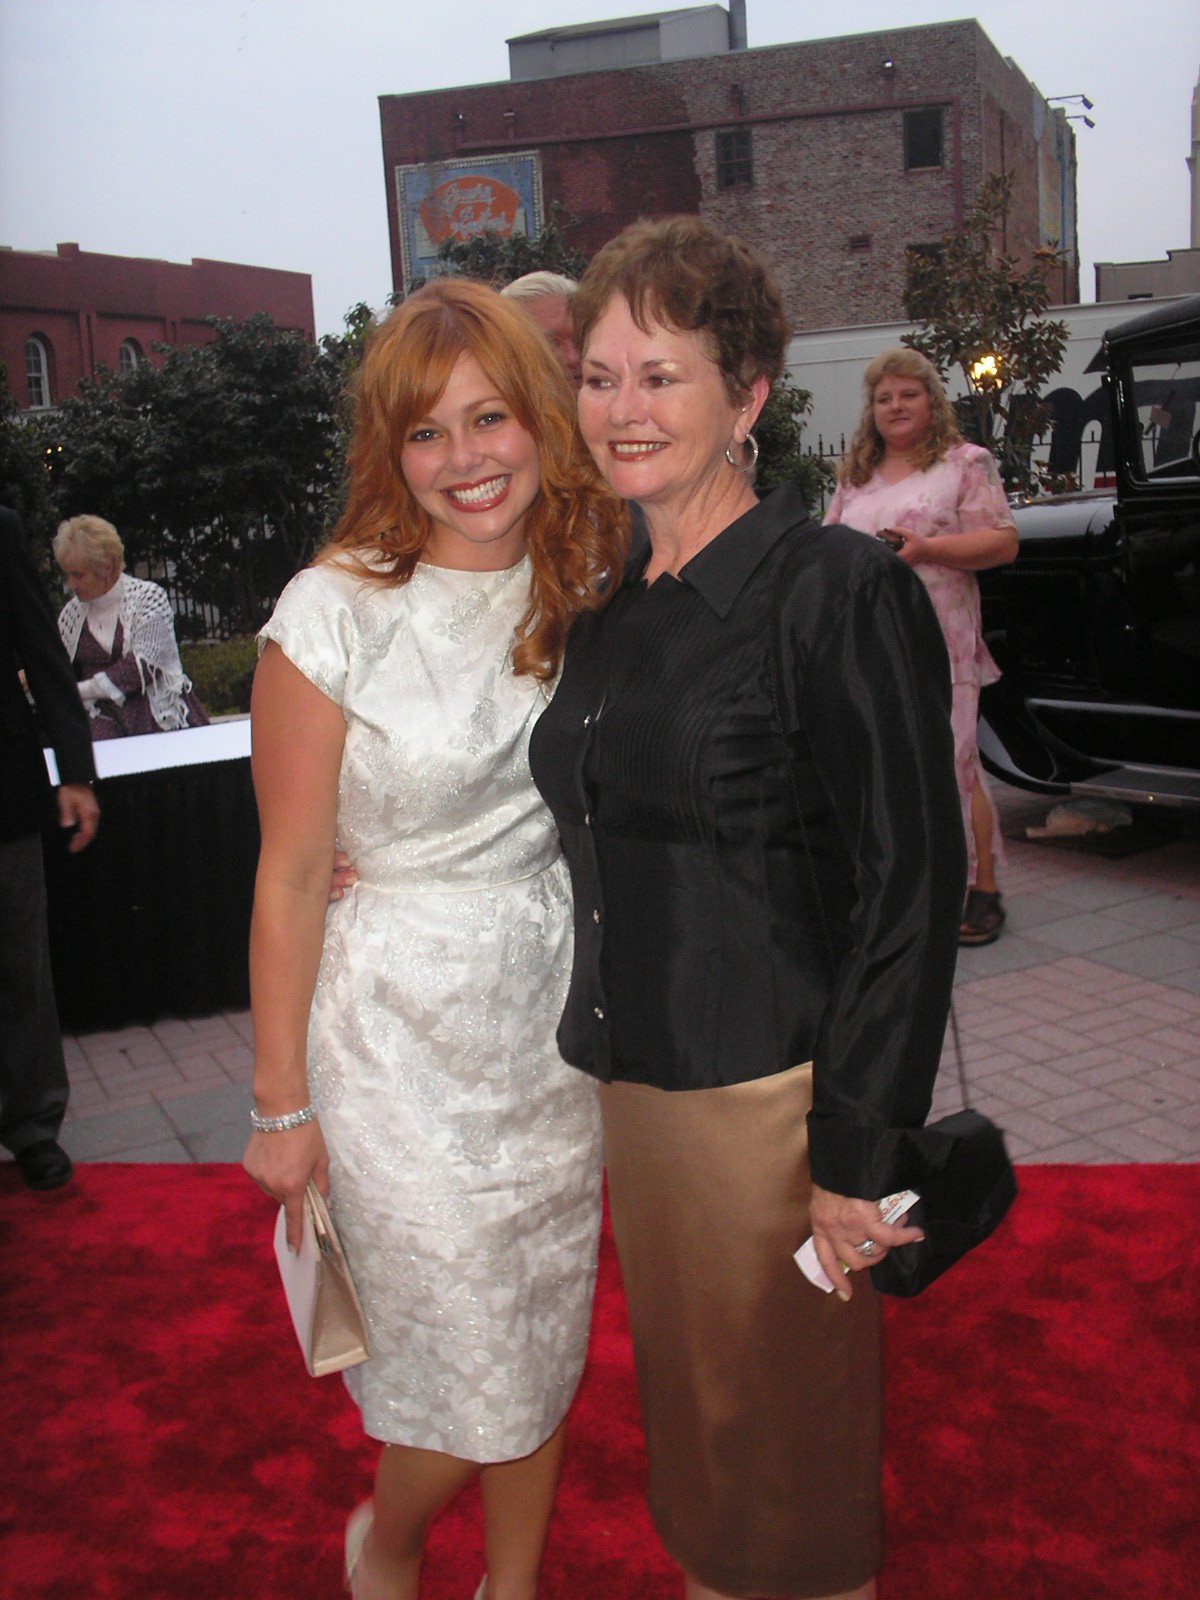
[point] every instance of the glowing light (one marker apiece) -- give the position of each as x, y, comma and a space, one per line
985, 371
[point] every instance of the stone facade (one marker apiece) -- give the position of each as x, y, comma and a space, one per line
832, 202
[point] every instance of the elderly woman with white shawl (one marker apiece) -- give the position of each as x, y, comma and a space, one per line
119, 632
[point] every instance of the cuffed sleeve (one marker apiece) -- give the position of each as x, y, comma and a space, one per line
871, 692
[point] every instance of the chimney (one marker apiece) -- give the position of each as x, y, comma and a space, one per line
737, 24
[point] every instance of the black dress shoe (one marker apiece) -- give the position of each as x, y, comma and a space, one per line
44, 1165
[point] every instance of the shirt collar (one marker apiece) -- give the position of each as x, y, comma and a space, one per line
720, 571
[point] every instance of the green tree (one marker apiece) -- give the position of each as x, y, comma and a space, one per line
24, 480
219, 465
982, 312
780, 455
499, 259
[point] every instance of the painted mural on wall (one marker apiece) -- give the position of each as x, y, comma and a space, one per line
440, 200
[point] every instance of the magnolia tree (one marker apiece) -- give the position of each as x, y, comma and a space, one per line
982, 312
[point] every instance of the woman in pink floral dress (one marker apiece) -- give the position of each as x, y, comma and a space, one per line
908, 477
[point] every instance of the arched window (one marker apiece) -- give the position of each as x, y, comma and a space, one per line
130, 355
37, 372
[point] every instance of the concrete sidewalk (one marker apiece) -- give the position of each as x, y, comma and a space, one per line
1080, 1027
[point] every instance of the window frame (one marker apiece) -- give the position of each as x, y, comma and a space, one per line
734, 152
37, 346
911, 127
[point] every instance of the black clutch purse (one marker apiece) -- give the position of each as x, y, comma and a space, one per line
960, 1168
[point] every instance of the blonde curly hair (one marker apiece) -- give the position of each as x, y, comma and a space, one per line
867, 448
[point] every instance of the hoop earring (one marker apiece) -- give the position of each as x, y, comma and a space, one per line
751, 444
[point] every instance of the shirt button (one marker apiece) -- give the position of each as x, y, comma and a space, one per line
587, 721
599, 1014
595, 916
587, 819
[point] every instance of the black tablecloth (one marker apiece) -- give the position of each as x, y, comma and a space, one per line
153, 918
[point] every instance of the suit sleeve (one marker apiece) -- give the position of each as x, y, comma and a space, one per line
872, 697
40, 652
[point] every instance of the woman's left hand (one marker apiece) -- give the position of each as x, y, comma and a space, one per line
842, 1226
913, 549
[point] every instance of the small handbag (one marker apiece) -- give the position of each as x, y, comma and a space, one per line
966, 1183
321, 1296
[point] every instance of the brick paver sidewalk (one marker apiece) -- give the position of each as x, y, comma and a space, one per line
1080, 1027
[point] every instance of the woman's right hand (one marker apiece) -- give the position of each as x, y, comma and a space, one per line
842, 1225
281, 1165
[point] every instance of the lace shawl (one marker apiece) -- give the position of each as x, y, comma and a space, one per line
148, 628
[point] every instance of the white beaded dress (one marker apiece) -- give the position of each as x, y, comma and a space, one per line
465, 1155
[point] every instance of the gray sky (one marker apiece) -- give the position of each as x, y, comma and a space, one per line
248, 130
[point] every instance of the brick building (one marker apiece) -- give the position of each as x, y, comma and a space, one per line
831, 156
64, 316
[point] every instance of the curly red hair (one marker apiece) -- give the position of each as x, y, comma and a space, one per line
576, 531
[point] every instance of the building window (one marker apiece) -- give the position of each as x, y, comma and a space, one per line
735, 159
922, 139
37, 372
129, 356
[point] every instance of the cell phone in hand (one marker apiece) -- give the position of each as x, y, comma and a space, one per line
893, 540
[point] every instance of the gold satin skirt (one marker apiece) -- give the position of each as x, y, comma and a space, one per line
761, 1395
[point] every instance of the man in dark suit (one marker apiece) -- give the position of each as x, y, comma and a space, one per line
33, 1075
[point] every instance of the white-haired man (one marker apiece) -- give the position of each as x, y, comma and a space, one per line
546, 296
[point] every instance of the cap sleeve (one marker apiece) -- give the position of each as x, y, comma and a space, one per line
982, 502
313, 624
833, 513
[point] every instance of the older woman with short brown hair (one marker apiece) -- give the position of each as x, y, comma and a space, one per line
753, 784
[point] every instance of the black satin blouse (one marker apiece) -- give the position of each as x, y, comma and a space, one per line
711, 945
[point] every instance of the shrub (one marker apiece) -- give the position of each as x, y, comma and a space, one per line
222, 672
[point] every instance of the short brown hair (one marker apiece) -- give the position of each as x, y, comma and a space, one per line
684, 273
576, 531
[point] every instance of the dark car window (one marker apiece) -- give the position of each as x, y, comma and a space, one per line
1167, 395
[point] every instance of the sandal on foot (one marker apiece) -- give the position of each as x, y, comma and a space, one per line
983, 917
357, 1529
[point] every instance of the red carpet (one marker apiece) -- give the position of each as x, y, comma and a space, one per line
164, 1443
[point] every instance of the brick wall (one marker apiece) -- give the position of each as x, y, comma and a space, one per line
827, 123
85, 304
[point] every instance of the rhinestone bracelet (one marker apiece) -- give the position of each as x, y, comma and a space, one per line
289, 1119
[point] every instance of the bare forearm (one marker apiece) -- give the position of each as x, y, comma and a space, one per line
967, 552
286, 936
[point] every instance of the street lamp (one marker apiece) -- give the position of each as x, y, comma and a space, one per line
986, 371
1074, 99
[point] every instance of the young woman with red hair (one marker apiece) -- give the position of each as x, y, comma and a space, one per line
404, 1042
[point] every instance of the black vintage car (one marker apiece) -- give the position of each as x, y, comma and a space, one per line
1096, 625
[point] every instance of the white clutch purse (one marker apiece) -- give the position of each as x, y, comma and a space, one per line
321, 1297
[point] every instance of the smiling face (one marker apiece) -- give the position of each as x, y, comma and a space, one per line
903, 413
475, 470
654, 410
